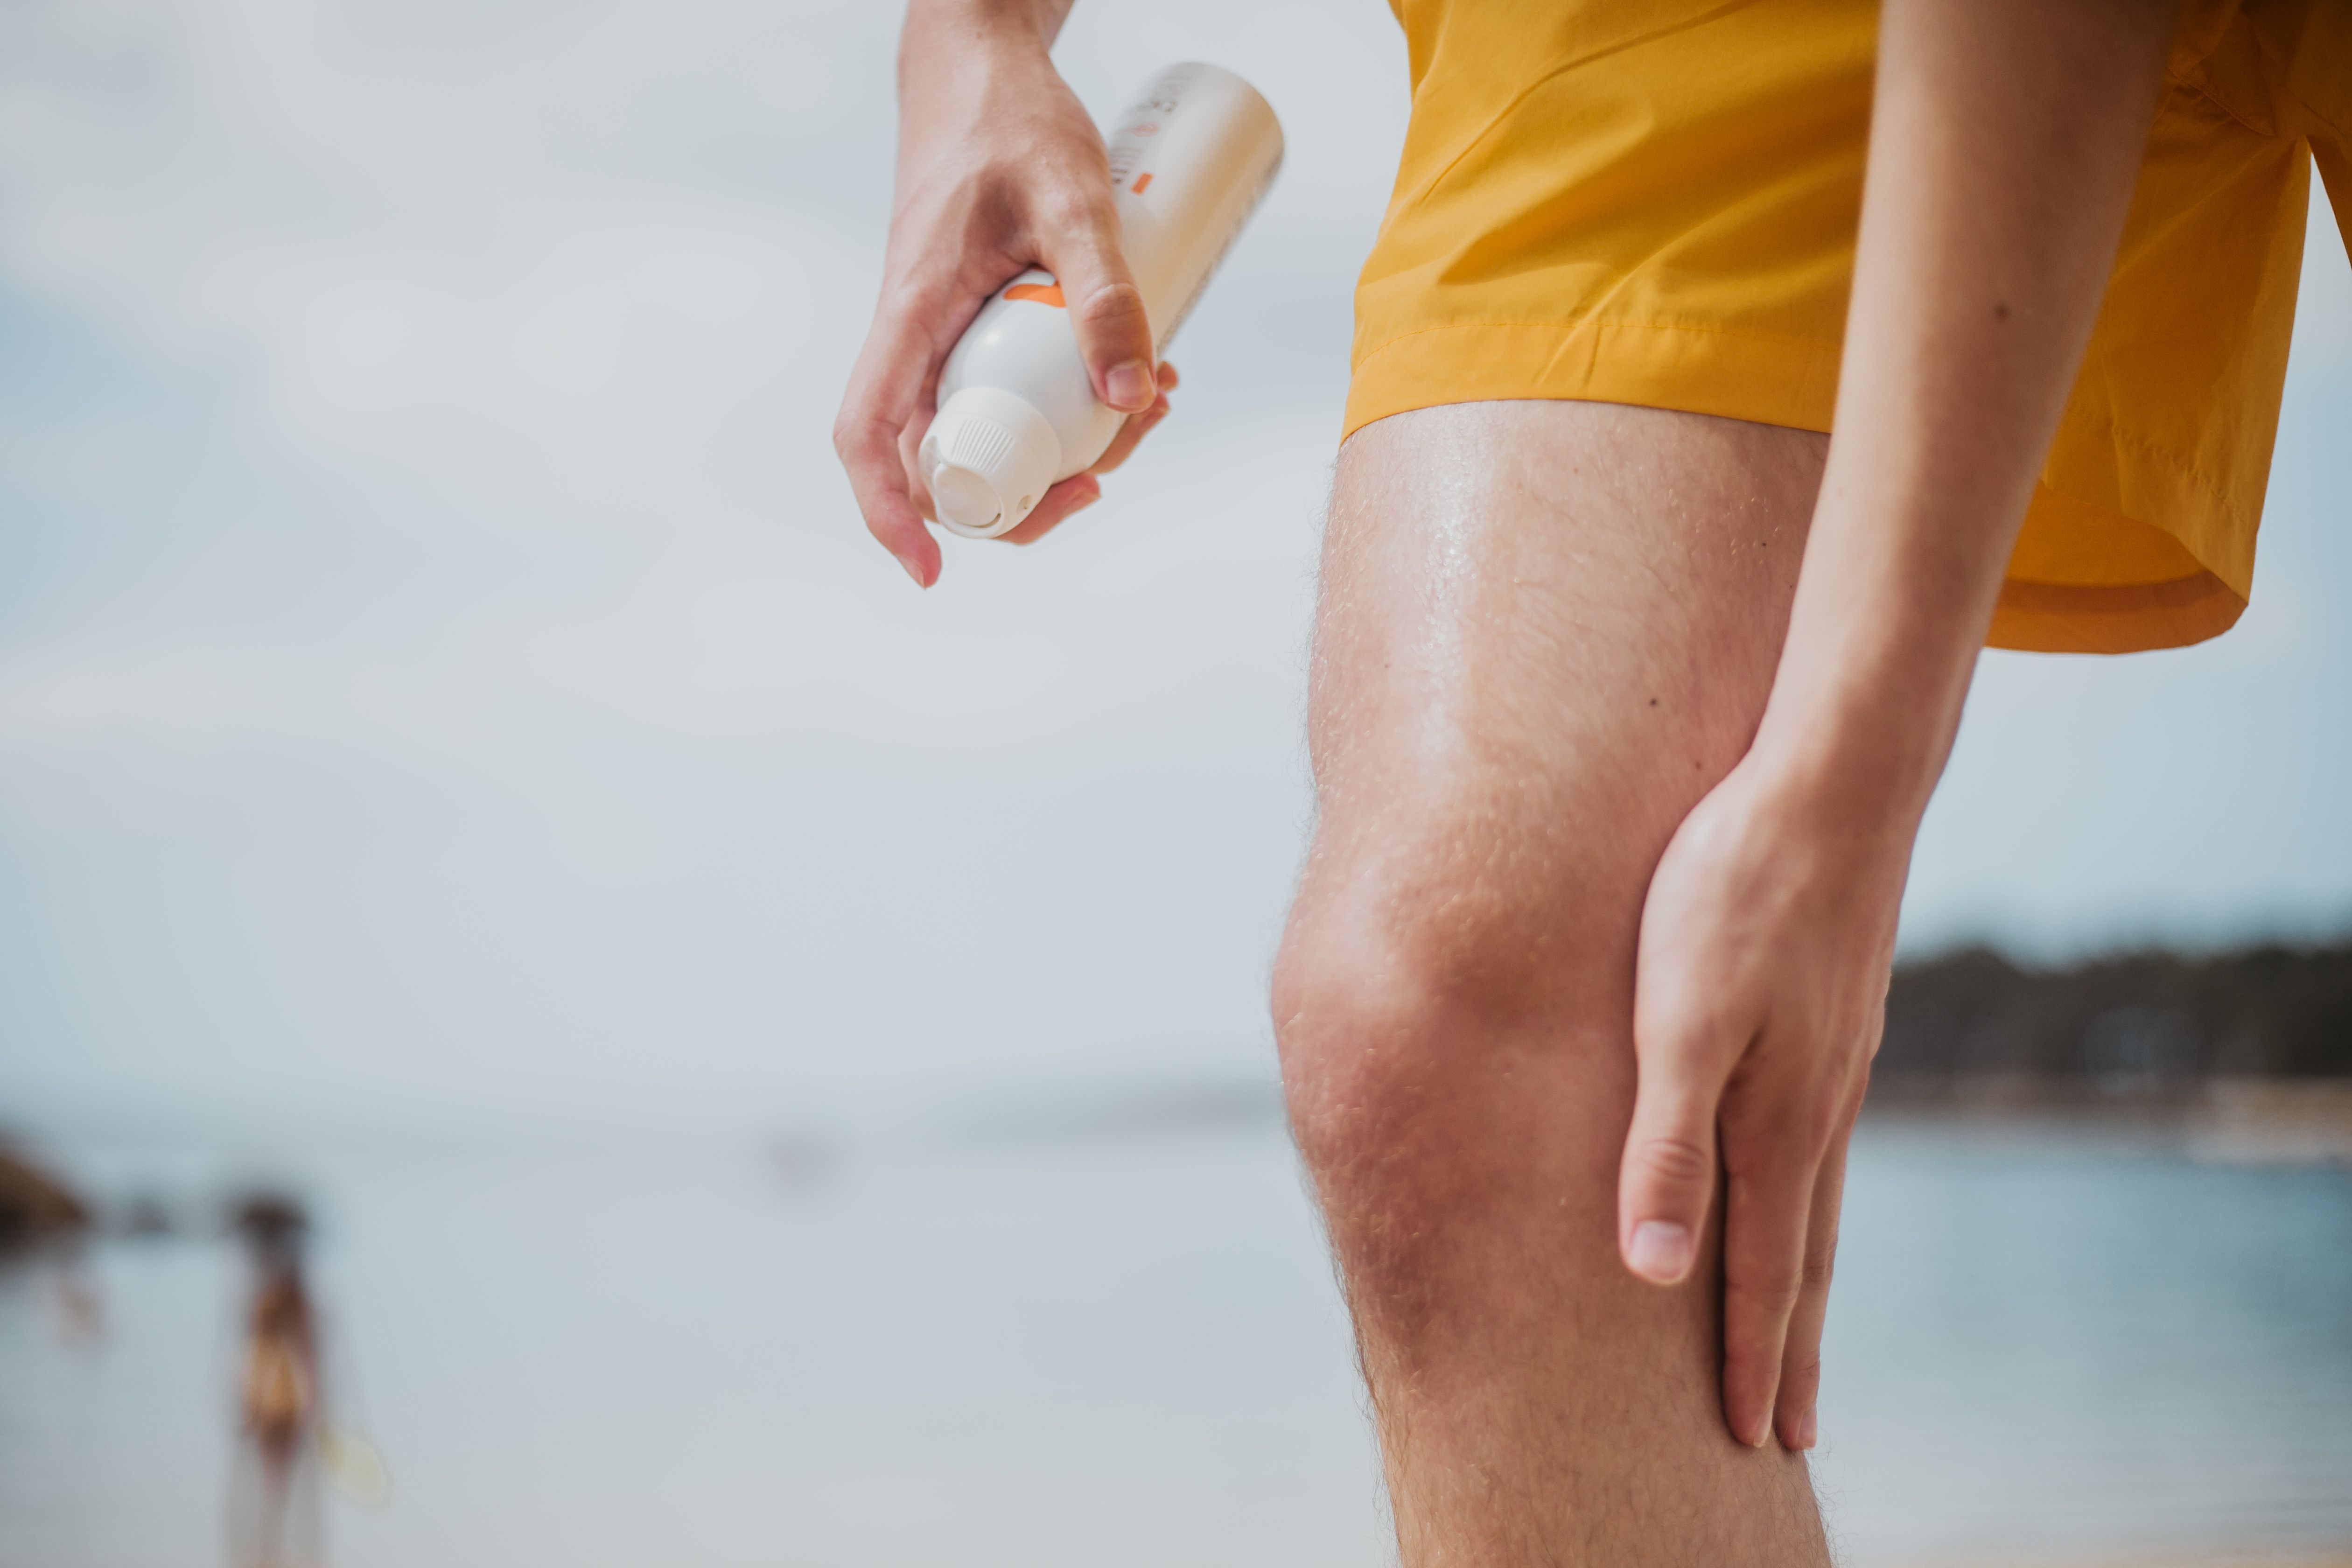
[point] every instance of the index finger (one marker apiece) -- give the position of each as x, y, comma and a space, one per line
892, 370
1775, 1134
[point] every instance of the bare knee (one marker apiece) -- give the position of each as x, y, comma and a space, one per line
1449, 1047
1436, 944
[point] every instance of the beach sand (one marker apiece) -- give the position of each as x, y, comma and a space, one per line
2222, 1121
2275, 1121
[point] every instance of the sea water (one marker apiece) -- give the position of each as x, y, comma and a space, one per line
1040, 1346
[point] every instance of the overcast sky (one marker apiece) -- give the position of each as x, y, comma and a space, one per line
441, 673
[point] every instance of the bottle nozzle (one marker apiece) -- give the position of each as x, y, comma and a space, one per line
988, 458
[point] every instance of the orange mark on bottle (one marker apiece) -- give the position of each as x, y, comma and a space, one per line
1141, 181
1044, 293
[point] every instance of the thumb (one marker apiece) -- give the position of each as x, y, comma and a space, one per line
1667, 1179
1105, 307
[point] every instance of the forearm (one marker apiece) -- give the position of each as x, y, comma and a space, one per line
2006, 138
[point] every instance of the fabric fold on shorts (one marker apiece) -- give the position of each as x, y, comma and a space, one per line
1656, 204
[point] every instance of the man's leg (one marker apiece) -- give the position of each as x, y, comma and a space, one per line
1546, 630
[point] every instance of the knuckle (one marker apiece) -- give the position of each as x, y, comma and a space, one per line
1677, 1161
1773, 1289
1749, 1159
1688, 1039
1823, 1112
1771, 1146
1807, 1137
1671, 1019
846, 432
1746, 1363
1113, 303
911, 294
860, 439
1074, 209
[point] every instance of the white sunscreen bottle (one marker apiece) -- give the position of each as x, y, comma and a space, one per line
1016, 412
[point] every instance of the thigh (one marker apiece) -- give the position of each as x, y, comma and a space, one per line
1545, 630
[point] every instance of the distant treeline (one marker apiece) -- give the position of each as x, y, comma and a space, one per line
2142, 1021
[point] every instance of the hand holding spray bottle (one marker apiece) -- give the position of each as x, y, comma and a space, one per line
1016, 412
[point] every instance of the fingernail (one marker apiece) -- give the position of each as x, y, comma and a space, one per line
1129, 386
1808, 1429
1661, 1252
914, 570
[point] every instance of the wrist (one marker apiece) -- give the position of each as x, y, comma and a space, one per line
970, 69
1859, 752
1891, 609
949, 36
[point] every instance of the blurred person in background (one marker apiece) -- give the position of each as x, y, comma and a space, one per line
274, 1503
1630, 686
81, 1309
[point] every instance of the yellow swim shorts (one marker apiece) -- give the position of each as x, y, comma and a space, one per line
1654, 202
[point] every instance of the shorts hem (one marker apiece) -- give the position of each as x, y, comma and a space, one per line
2133, 618
1699, 369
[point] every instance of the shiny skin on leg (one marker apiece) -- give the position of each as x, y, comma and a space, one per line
1546, 630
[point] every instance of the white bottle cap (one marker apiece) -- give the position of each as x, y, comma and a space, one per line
988, 458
